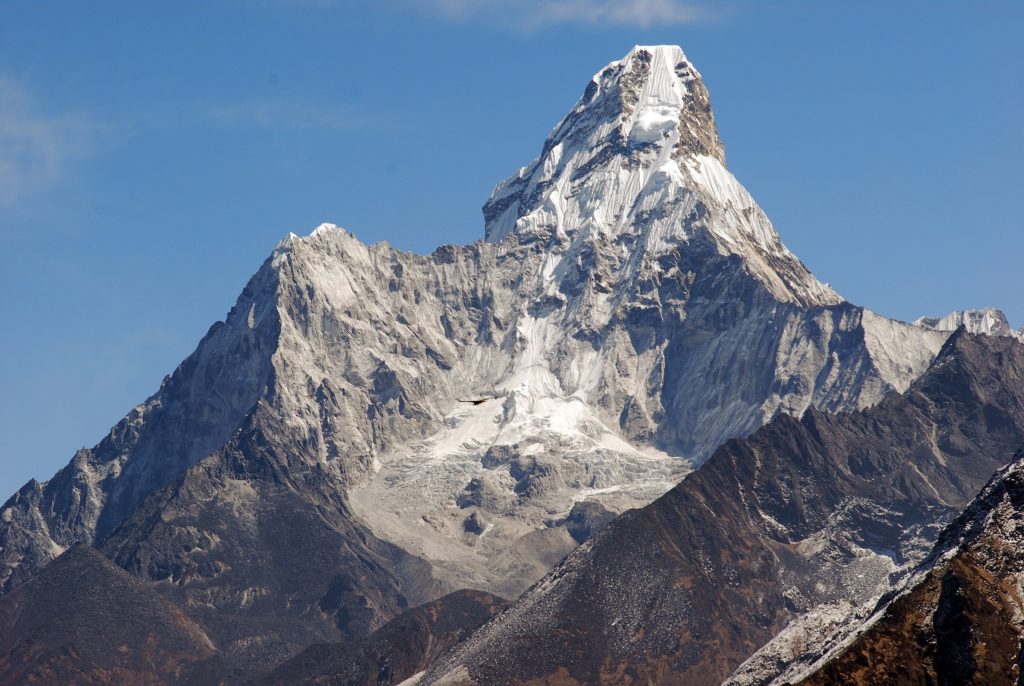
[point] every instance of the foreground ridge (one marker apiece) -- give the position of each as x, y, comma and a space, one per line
956, 618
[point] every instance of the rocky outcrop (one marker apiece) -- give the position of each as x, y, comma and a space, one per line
956, 620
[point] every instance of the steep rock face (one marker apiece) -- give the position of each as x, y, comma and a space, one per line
256, 544
195, 412
631, 309
638, 163
655, 314
800, 514
959, 619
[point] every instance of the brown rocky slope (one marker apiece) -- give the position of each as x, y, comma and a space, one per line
960, 619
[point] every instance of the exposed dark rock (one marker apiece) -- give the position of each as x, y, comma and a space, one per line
396, 651
960, 618
83, 620
474, 524
586, 518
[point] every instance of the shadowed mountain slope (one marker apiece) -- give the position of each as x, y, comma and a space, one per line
958, 619
803, 512
83, 620
398, 650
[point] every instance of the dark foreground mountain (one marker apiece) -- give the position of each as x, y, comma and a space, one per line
802, 513
84, 620
959, 619
401, 648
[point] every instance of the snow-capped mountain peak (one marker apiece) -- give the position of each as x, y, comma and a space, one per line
637, 165
644, 97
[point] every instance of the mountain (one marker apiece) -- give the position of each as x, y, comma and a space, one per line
984, 321
803, 513
370, 429
257, 545
401, 648
83, 620
958, 618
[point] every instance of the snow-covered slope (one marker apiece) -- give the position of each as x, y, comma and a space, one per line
630, 309
638, 163
656, 313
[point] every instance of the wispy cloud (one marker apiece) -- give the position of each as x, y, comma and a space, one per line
536, 14
38, 148
35, 146
543, 13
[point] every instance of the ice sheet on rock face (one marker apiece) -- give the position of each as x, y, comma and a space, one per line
897, 348
419, 497
988, 320
661, 97
653, 123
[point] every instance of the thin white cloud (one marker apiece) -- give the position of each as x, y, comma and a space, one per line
35, 147
534, 14
543, 13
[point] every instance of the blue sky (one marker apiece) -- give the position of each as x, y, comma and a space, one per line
152, 154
